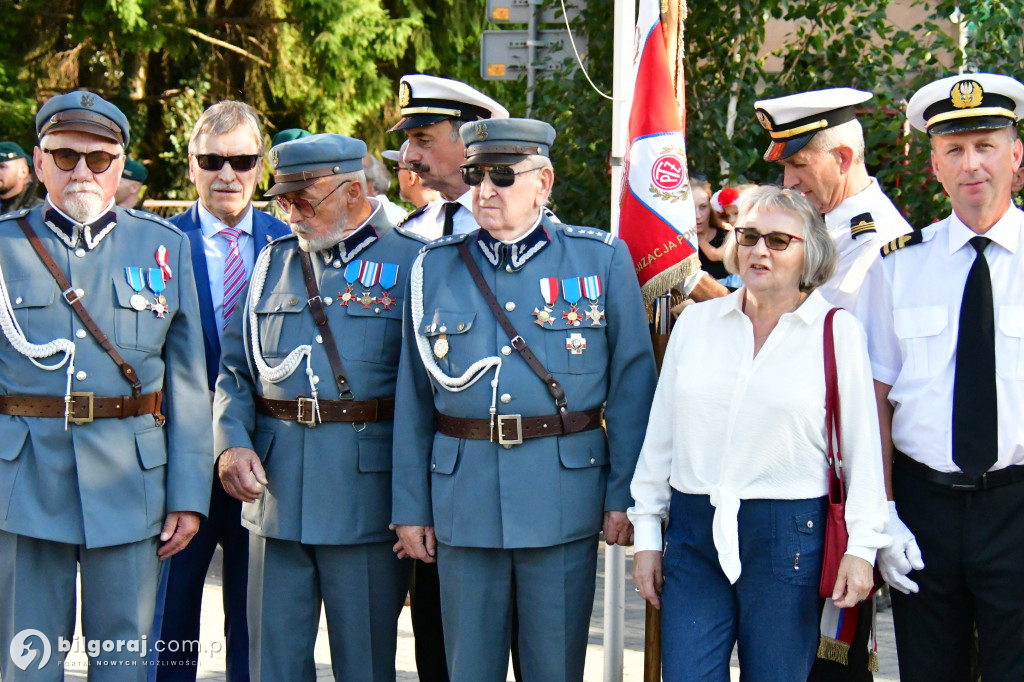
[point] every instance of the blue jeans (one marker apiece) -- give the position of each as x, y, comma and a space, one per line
772, 610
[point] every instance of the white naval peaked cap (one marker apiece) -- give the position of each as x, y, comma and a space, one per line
794, 119
970, 101
429, 99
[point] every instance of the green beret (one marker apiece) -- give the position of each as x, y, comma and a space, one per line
10, 151
287, 135
133, 170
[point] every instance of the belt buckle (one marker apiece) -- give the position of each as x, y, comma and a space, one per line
305, 404
516, 419
73, 398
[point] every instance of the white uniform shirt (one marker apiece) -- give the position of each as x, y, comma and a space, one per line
857, 255
215, 248
910, 307
734, 426
430, 223
395, 212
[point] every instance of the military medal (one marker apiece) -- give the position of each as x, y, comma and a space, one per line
576, 344
161, 260
369, 275
592, 292
549, 290
138, 302
441, 346
351, 275
571, 291
156, 285
388, 279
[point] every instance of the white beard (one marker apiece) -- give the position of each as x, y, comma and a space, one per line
320, 243
83, 201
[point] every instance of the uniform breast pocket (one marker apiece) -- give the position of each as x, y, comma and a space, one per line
920, 331
575, 350
144, 329
29, 298
378, 331
453, 345
1009, 346
277, 313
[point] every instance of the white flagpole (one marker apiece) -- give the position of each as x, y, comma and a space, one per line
622, 93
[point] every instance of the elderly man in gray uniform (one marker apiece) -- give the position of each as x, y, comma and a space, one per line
303, 420
100, 317
433, 110
521, 339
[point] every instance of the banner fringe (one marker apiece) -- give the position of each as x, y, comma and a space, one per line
663, 281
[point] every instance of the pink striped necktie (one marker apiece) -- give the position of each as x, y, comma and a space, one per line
234, 273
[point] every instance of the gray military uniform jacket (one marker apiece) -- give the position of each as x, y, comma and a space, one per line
545, 491
110, 481
329, 484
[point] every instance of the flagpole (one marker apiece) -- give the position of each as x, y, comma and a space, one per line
622, 95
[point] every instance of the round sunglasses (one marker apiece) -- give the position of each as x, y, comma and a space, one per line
501, 176
776, 241
67, 159
307, 209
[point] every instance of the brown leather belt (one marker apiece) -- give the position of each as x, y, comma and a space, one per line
303, 410
82, 408
513, 429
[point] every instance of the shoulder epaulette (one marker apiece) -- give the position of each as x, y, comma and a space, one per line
151, 217
412, 214
446, 241
903, 241
411, 235
14, 215
862, 224
589, 233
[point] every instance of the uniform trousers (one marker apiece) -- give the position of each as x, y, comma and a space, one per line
362, 589
553, 589
37, 591
972, 544
182, 593
425, 605
771, 611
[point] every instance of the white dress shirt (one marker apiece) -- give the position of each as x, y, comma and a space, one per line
430, 223
216, 249
910, 307
857, 254
734, 426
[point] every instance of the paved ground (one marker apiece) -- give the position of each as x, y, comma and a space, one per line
212, 664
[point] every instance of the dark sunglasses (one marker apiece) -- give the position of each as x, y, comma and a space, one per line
66, 159
501, 176
776, 241
214, 162
307, 209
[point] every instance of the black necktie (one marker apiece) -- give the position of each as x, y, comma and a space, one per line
975, 421
449, 217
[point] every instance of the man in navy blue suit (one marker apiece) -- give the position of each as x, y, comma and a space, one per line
225, 161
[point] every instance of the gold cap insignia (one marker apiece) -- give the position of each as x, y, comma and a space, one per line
404, 94
966, 94
481, 131
88, 101
765, 120
273, 158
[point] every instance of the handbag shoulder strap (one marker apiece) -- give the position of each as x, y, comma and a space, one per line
833, 424
69, 295
518, 342
316, 306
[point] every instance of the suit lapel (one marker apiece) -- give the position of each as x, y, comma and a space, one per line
203, 283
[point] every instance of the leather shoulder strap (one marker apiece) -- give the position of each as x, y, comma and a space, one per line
833, 424
518, 342
71, 297
316, 306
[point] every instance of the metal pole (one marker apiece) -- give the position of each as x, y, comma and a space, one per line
622, 89
532, 36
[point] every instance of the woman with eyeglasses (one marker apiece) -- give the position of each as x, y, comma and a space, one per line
735, 458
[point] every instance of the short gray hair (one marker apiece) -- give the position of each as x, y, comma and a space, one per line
224, 117
376, 174
849, 134
819, 251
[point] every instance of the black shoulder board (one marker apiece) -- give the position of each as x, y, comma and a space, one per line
903, 241
412, 214
862, 224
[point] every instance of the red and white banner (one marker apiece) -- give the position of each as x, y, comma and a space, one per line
656, 217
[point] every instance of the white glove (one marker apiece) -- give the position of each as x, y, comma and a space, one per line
902, 554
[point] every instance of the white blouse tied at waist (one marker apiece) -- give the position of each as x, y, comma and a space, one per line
733, 426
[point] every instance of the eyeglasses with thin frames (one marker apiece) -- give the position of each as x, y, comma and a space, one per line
501, 176
776, 241
307, 209
67, 159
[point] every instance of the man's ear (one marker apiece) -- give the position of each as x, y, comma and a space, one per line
845, 155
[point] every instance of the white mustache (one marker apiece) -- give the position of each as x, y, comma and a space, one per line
86, 187
226, 186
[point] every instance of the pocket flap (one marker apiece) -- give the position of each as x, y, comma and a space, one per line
33, 292
911, 323
576, 453
445, 454
261, 440
281, 302
152, 446
447, 322
374, 454
15, 433
1011, 320
808, 523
